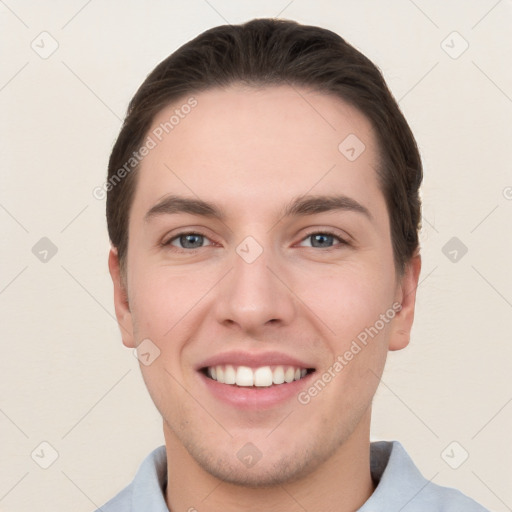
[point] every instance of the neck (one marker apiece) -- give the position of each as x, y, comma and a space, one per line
342, 483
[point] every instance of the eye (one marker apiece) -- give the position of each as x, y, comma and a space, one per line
188, 240
323, 240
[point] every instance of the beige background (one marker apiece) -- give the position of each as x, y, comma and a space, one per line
66, 378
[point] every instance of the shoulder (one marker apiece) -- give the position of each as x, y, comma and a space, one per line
401, 484
121, 502
447, 499
146, 492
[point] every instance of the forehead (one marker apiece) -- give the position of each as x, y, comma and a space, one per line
256, 147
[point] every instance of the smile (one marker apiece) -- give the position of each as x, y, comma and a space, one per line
263, 376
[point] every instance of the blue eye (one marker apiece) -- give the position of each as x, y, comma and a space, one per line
321, 239
324, 240
187, 241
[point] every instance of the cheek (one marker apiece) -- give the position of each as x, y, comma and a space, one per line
162, 303
347, 299
161, 298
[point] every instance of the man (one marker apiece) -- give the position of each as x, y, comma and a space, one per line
263, 211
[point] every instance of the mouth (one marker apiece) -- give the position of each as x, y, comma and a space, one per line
259, 377
254, 381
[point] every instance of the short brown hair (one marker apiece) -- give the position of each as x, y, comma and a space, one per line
266, 52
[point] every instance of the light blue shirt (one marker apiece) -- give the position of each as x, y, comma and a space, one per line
401, 487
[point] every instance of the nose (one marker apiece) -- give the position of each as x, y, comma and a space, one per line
254, 295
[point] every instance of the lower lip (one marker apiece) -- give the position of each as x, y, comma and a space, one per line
255, 397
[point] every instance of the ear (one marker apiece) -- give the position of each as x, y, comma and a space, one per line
122, 307
406, 296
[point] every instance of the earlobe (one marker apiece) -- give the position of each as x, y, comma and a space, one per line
406, 296
121, 304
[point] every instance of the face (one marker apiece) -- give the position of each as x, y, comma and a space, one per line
260, 254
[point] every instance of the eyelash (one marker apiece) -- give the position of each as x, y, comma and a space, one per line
342, 242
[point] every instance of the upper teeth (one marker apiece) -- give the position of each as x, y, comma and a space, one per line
261, 377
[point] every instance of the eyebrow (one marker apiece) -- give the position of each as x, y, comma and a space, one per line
300, 206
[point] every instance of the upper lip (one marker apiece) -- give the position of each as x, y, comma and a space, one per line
253, 360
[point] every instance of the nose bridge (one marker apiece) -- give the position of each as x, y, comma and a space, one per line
252, 296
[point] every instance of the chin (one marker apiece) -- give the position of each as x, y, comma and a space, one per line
281, 469
256, 477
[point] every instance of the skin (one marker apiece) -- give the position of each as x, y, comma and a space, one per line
251, 151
